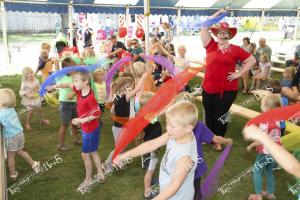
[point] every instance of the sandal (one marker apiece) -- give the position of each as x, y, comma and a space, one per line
36, 166
100, 177
255, 197
271, 197
45, 122
83, 186
14, 176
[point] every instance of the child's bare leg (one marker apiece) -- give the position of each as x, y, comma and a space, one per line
88, 167
258, 83
11, 155
147, 182
41, 113
61, 134
28, 118
97, 161
76, 135
25, 156
245, 81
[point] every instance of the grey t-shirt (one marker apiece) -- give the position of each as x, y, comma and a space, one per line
175, 152
267, 50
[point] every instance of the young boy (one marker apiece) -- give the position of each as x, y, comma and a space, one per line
177, 168
149, 160
88, 117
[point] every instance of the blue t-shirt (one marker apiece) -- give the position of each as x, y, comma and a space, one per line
10, 122
284, 102
286, 83
202, 135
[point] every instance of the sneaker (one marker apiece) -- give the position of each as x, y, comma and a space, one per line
107, 168
36, 166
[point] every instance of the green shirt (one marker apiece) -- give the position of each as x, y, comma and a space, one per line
64, 92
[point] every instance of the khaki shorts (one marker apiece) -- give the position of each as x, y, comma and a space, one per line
15, 143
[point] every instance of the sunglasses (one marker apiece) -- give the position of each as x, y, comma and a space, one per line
133, 43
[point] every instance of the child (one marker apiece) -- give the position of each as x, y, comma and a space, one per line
203, 135
13, 132
88, 114
30, 98
181, 63
264, 161
98, 76
165, 76
264, 73
67, 108
287, 77
45, 64
288, 162
149, 161
177, 167
121, 108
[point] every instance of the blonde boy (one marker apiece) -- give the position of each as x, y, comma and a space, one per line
175, 179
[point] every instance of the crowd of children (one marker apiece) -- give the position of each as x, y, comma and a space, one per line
83, 99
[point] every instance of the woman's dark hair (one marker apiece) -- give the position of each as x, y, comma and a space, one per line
67, 62
247, 39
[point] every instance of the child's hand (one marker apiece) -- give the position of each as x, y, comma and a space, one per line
50, 88
252, 132
77, 121
249, 148
229, 141
120, 158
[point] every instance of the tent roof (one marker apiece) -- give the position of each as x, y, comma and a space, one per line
168, 7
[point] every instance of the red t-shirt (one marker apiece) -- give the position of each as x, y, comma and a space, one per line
87, 106
274, 131
218, 64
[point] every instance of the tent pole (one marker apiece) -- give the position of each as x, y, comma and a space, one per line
146, 24
128, 20
262, 19
178, 23
296, 26
4, 32
71, 27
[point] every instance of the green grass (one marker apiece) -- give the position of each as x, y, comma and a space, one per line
24, 37
61, 181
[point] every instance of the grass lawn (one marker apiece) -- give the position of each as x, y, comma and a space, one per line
61, 181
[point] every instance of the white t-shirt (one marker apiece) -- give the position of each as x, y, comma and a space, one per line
181, 64
175, 152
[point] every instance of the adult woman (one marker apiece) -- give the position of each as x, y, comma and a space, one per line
220, 82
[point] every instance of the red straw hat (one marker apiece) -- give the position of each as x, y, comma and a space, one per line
224, 26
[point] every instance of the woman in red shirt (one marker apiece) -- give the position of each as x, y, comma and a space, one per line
220, 82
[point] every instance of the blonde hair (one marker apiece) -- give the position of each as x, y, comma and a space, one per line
45, 46
84, 76
138, 69
270, 102
8, 98
97, 73
184, 113
184, 96
122, 83
181, 47
145, 97
265, 57
25, 71
88, 52
291, 71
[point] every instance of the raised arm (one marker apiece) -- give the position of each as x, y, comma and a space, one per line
144, 148
282, 156
204, 34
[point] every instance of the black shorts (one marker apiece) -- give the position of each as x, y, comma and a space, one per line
67, 112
